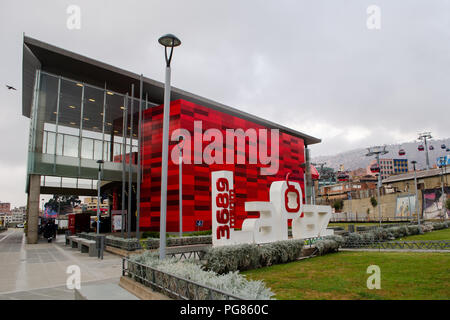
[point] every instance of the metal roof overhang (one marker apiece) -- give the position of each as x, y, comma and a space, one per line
40, 55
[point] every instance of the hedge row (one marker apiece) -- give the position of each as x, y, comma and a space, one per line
117, 242
153, 243
392, 233
232, 282
252, 256
329, 244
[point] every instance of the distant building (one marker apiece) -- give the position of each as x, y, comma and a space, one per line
389, 167
346, 190
400, 166
19, 215
90, 203
5, 207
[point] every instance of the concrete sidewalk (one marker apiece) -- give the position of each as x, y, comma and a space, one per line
39, 270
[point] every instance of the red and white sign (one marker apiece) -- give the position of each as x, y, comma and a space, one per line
285, 204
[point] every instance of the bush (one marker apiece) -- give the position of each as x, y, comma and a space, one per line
252, 256
198, 233
439, 225
339, 239
153, 243
150, 234
338, 205
373, 202
414, 229
326, 246
232, 282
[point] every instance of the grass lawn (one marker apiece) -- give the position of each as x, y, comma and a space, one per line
343, 275
443, 234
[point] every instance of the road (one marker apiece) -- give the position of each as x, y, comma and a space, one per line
38, 271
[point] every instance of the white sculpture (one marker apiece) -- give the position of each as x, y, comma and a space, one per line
285, 204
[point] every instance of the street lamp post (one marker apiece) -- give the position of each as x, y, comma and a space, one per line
443, 167
180, 183
168, 41
415, 186
100, 162
376, 151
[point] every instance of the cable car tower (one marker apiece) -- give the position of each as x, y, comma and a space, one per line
377, 151
424, 136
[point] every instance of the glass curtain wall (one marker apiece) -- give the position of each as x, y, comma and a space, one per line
75, 124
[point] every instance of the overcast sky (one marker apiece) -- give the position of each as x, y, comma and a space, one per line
313, 66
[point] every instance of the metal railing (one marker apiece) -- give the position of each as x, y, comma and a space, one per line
171, 285
188, 252
125, 244
404, 245
371, 219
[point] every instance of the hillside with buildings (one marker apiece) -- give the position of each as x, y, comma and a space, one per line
355, 159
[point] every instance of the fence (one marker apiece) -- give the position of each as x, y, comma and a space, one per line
171, 285
191, 252
405, 245
353, 217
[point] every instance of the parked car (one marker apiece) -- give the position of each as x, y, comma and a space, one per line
20, 225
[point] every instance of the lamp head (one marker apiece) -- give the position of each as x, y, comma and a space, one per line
169, 40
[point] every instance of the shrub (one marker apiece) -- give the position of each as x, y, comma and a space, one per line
338, 204
232, 282
339, 239
414, 229
199, 233
326, 246
251, 256
439, 225
150, 234
153, 243
373, 201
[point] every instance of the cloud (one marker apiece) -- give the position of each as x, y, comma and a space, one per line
312, 66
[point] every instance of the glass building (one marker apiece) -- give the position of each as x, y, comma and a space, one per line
81, 111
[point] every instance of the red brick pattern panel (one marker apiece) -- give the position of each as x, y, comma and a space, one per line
250, 185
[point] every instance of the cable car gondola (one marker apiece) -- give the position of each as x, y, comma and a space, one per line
420, 148
401, 152
431, 148
342, 177
443, 146
374, 168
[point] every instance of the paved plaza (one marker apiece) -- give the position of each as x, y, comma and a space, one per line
38, 271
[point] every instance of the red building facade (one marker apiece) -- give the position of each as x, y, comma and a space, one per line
250, 184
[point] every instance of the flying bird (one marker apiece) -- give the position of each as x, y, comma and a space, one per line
10, 87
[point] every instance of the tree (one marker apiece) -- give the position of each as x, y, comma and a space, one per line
373, 202
447, 204
338, 204
62, 203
